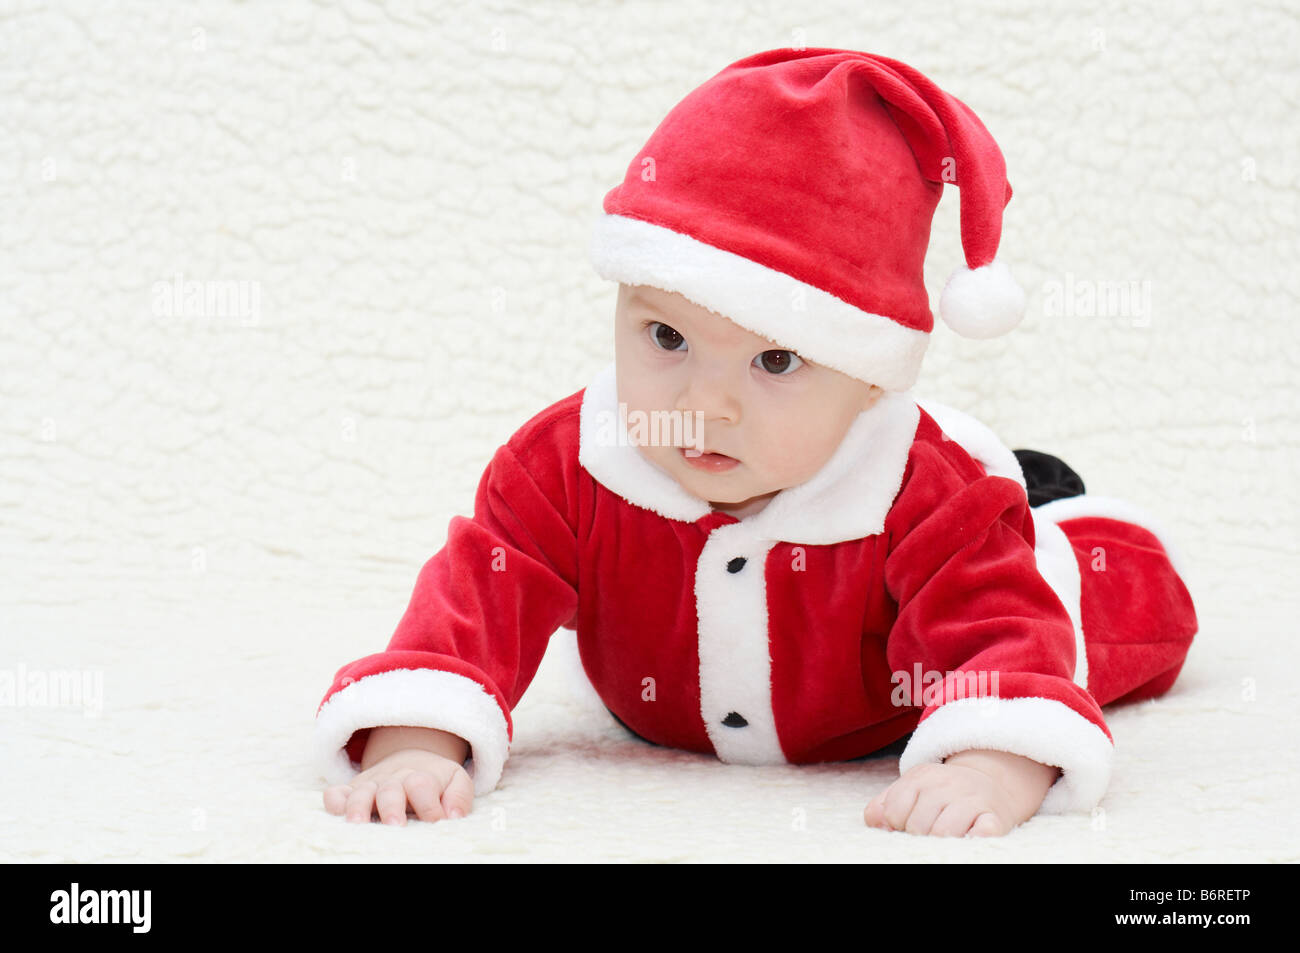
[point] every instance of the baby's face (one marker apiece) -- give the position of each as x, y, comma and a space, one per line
778, 416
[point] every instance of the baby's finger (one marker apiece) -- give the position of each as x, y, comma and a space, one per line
390, 802
459, 795
987, 824
874, 815
956, 819
361, 801
336, 798
422, 792
899, 801
929, 805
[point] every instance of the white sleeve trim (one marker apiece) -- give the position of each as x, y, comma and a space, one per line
423, 698
1045, 730
1058, 564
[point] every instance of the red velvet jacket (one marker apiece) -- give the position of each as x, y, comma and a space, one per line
907, 587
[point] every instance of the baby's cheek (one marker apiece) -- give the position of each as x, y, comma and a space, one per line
806, 445
793, 457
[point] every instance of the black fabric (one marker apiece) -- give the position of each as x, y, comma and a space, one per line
892, 750
1047, 477
630, 731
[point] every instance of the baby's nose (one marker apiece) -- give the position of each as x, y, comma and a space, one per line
711, 398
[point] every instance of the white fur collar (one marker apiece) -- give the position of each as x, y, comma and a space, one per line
848, 498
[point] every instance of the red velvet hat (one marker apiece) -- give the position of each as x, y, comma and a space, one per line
793, 193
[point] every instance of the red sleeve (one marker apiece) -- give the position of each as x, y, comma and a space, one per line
981, 643
478, 622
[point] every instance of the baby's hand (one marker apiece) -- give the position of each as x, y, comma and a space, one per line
436, 788
956, 800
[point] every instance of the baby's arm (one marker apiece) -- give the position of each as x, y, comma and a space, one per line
472, 637
975, 607
979, 792
384, 740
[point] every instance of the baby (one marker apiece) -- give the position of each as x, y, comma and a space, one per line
769, 549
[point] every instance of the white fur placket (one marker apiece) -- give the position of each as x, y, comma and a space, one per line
735, 662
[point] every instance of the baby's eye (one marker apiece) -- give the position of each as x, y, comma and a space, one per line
664, 337
779, 363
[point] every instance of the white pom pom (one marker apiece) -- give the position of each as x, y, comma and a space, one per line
982, 302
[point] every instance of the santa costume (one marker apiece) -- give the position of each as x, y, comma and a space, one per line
927, 584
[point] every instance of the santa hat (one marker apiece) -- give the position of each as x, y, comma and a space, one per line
793, 193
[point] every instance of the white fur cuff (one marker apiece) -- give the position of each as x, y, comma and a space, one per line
418, 697
1039, 728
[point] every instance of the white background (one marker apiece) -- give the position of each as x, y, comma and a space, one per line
215, 512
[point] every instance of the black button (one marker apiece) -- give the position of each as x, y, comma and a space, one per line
734, 720
735, 565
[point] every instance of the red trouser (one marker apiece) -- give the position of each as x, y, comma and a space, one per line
1129, 599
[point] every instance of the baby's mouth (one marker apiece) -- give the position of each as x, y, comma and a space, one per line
708, 461
693, 452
